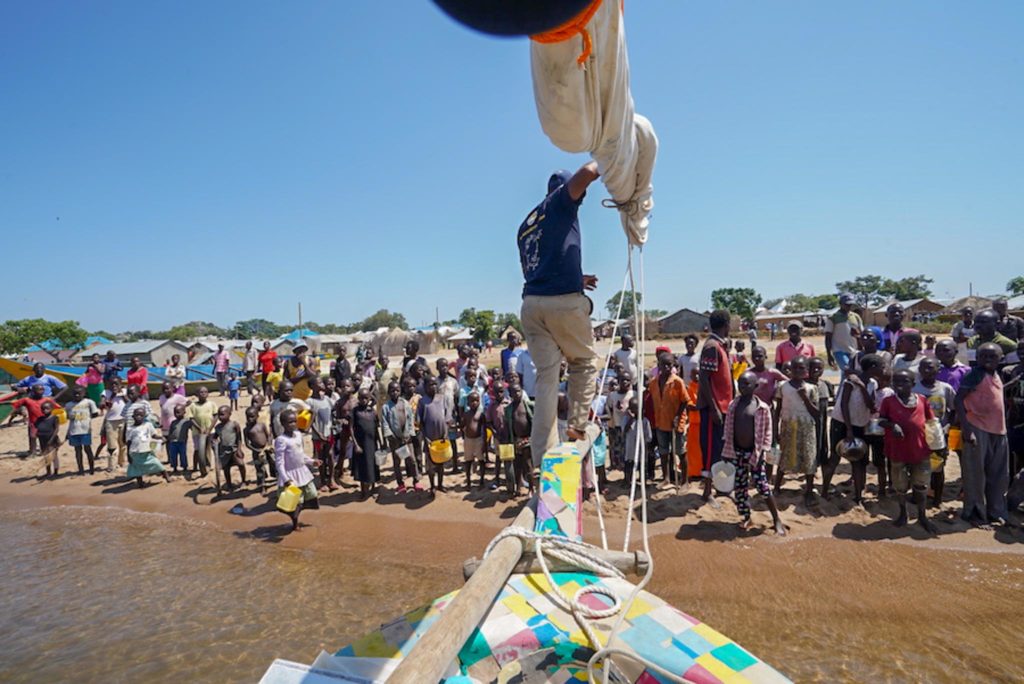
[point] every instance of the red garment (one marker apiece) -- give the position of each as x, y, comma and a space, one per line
34, 407
138, 377
912, 447
266, 359
715, 366
984, 405
787, 351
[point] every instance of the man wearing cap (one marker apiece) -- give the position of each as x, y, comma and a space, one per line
556, 312
794, 346
841, 332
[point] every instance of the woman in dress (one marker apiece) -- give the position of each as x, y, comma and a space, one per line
798, 411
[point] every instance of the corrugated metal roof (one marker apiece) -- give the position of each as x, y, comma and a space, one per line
139, 347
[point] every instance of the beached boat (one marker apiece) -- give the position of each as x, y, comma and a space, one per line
513, 621
195, 376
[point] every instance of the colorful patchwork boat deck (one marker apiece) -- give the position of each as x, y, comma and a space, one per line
526, 638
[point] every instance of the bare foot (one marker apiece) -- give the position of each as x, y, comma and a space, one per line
780, 529
901, 520
928, 525
746, 525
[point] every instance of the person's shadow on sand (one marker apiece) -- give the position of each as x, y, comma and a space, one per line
716, 530
273, 534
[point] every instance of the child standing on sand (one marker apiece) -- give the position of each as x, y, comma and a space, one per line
234, 389
203, 414
826, 393
855, 403
177, 440
80, 412
519, 420
141, 459
322, 409
903, 416
399, 427
48, 433
32, 408
293, 465
747, 438
798, 411
364, 443
980, 408
435, 417
635, 427
226, 439
113, 404
473, 433
259, 441
942, 399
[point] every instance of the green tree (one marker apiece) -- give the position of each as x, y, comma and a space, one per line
1016, 285
504, 320
655, 313
382, 319
742, 301
483, 325
912, 287
873, 289
16, 336
467, 316
257, 328
865, 289
796, 303
612, 305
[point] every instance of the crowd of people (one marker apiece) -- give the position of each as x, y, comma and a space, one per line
709, 412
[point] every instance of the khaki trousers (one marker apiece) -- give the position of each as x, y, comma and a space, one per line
559, 326
114, 430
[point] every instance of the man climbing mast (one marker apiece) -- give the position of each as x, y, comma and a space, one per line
556, 312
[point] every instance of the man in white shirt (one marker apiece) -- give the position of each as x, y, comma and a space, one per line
626, 355
249, 363
527, 373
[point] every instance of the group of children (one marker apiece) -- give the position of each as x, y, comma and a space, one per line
903, 412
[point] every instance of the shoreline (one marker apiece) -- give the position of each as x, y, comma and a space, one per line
474, 517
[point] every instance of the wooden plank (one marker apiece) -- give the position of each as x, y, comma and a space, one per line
428, 660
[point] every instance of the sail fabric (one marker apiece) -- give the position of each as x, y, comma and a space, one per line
590, 109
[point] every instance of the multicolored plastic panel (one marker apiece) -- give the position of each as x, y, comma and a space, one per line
560, 504
524, 620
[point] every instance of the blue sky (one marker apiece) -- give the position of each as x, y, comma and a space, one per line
163, 162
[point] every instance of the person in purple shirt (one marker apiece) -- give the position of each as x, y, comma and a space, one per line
952, 371
52, 387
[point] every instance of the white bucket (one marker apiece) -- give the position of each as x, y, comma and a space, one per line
723, 476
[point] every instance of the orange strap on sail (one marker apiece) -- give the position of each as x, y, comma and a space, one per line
576, 25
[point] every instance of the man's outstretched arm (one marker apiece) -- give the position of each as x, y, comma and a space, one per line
582, 179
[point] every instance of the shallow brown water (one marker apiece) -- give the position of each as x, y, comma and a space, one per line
110, 595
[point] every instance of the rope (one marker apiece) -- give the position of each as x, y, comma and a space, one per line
576, 25
577, 554
595, 418
580, 554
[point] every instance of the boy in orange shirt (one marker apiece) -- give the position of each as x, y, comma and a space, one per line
670, 399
